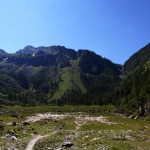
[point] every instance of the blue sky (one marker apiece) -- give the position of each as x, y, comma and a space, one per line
114, 29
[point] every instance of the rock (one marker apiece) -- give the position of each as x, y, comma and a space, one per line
141, 111
11, 123
26, 123
49, 148
132, 116
36, 132
13, 138
11, 132
67, 144
13, 115
9, 148
14, 123
19, 128
9, 137
59, 148
1, 127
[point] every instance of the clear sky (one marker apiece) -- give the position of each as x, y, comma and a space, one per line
114, 29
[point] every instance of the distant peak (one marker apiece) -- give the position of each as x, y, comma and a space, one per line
2, 51
27, 50
29, 47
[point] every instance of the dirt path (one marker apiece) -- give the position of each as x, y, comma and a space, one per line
79, 124
80, 120
33, 141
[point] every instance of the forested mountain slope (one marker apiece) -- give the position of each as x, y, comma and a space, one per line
57, 75
134, 91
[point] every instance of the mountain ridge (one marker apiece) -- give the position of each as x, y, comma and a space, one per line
57, 75
58, 72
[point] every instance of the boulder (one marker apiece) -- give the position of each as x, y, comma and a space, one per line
9, 137
26, 123
67, 144
13, 123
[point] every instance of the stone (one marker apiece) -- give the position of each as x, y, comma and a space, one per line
26, 123
9, 137
59, 148
13, 123
11, 132
67, 144
1, 127
14, 115
19, 128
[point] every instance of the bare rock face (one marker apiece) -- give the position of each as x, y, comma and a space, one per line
2, 52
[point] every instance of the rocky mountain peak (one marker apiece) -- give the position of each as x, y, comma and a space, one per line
2, 52
27, 50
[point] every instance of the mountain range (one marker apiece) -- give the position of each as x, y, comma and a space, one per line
57, 75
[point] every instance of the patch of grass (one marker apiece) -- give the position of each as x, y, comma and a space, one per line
65, 84
95, 110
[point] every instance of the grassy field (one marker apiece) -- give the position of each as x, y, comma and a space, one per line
86, 127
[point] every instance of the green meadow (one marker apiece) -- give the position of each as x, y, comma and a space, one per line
86, 127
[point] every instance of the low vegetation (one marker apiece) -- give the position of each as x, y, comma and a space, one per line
83, 127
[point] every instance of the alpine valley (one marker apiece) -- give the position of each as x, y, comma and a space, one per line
57, 75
